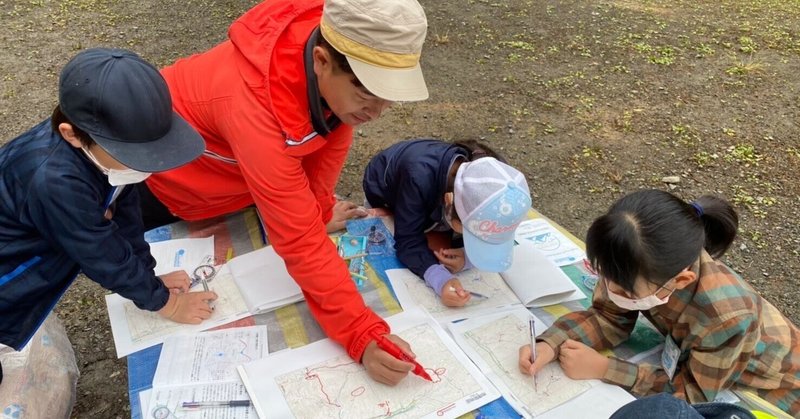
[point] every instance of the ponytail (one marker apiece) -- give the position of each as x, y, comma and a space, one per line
655, 234
720, 223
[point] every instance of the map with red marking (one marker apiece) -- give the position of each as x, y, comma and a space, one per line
340, 387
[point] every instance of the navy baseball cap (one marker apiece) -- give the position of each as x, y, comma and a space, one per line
124, 104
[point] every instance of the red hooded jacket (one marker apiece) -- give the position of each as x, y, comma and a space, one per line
247, 97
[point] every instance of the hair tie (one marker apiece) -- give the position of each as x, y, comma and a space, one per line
697, 208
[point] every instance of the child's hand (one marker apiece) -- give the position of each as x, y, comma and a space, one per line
190, 307
383, 367
343, 211
453, 294
177, 281
452, 259
544, 355
580, 362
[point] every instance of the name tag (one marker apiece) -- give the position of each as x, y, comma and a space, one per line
670, 356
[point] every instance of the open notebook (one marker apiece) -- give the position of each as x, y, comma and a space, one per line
252, 283
263, 280
536, 280
532, 281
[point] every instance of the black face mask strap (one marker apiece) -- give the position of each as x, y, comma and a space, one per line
321, 125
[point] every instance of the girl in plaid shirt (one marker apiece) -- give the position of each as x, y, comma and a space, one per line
656, 255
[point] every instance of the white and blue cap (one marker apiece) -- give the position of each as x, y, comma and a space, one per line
491, 199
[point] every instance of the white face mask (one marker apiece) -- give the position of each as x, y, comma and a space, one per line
126, 177
640, 304
117, 177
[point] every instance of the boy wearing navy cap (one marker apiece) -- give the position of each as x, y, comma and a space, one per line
64, 204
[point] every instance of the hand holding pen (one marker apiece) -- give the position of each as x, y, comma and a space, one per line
534, 356
381, 365
454, 294
394, 350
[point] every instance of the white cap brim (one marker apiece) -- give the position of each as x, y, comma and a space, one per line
396, 85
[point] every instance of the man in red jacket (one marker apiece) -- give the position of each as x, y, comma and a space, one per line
276, 104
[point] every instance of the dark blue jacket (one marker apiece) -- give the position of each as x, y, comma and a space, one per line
52, 226
410, 178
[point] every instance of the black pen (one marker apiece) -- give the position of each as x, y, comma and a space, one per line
229, 403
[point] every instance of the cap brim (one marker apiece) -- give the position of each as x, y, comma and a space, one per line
396, 85
488, 257
179, 146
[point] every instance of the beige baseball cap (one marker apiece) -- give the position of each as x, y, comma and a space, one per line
382, 40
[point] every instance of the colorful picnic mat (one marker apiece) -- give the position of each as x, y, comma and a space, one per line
294, 326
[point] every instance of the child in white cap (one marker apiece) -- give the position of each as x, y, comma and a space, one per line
464, 188
69, 204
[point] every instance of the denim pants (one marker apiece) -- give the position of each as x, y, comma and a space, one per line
666, 406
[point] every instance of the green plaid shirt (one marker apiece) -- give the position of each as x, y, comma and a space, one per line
728, 336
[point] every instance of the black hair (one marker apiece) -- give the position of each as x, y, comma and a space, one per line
654, 234
338, 58
59, 118
477, 150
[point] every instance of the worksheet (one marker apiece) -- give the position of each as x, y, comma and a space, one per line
168, 402
553, 243
136, 329
413, 292
208, 357
493, 341
201, 368
182, 254
321, 380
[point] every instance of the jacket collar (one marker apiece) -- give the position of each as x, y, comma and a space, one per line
316, 104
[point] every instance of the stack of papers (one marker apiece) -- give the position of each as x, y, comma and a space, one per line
201, 368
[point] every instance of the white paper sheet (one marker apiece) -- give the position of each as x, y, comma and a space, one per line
412, 292
208, 357
493, 342
599, 402
185, 254
144, 400
320, 380
136, 329
558, 248
166, 402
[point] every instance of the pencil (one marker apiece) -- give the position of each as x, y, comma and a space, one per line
472, 293
532, 324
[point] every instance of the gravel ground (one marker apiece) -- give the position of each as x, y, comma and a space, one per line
590, 99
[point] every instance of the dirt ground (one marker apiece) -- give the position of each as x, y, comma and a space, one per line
589, 99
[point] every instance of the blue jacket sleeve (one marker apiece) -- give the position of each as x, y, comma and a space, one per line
410, 219
128, 217
68, 212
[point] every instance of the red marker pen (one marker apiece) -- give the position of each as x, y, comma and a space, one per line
395, 351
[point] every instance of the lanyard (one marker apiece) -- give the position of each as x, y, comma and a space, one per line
112, 196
